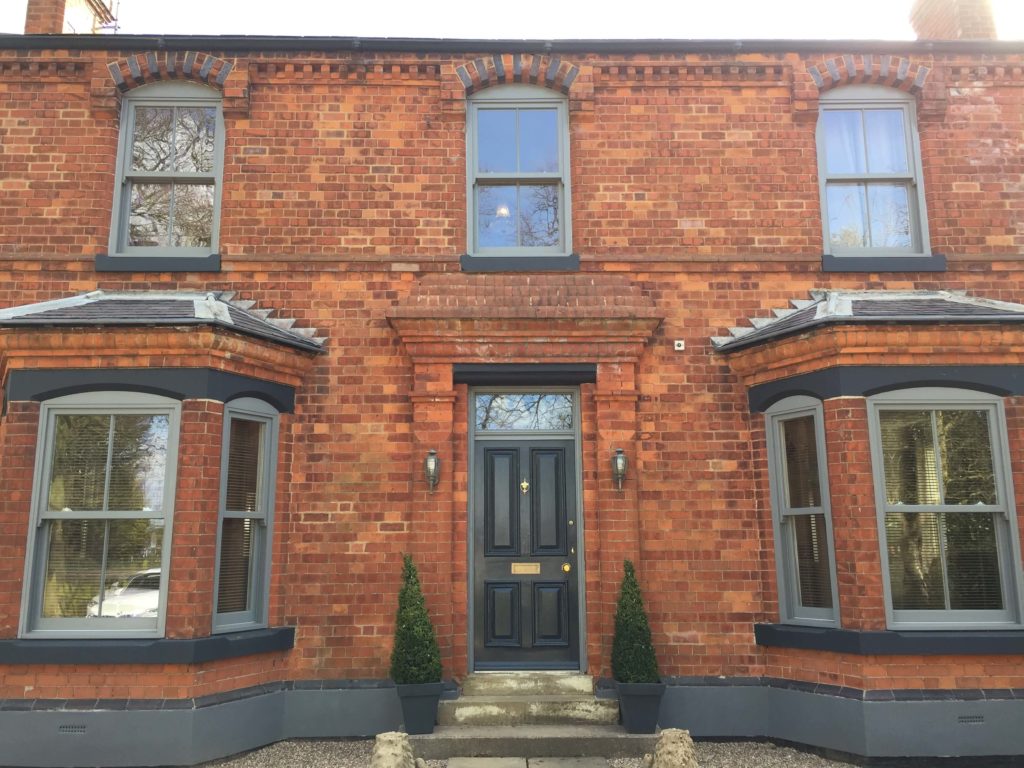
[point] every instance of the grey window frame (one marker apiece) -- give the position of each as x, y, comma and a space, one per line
250, 409
1004, 514
790, 609
31, 623
862, 98
163, 95
517, 96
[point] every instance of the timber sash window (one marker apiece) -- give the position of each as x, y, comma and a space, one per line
169, 172
872, 198
944, 507
518, 172
802, 519
103, 502
246, 507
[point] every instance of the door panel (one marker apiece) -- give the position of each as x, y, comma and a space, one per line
525, 601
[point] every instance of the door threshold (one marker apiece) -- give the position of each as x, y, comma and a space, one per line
498, 666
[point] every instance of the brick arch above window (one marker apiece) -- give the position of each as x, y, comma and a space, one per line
147, 67
548, 71
893, 71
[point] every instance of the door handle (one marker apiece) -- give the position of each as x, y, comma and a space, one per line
566, 567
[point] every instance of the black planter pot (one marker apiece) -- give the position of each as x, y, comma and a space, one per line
639, 704
419, 705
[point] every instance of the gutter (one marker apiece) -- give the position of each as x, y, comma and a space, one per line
267, 43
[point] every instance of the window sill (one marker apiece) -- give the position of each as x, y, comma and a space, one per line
139, 651
470, 263
933, 263
891, 642
107, 263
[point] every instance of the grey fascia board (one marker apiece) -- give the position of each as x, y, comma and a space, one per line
242, 43
752, 340
28, 320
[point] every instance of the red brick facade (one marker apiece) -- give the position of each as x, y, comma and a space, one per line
695, 204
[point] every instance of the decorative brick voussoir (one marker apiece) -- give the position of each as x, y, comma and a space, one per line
159, 66
548, 71
893, 71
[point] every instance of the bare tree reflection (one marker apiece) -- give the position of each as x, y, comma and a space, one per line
528, 411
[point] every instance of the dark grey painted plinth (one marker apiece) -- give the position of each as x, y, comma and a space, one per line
868, 728
151, 737
751, 708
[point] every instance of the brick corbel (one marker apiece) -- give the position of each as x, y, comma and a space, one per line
229, 76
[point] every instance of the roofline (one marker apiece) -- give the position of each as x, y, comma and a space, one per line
28, 321
745, 341
261, 43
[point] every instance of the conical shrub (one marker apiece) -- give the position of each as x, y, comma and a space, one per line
415, 656
633, 659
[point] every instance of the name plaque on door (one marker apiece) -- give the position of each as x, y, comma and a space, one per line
522, 569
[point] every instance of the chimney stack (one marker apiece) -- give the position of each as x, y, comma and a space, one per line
69, 17
953, 20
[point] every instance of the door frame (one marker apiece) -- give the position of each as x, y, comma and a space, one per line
576, 437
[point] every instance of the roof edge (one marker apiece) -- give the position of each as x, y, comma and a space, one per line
243, 43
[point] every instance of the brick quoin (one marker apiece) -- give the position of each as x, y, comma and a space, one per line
695, 205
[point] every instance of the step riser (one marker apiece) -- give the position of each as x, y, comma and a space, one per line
441, 745
517, 684
492, 711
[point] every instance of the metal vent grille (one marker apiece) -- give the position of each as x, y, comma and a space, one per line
75, 729
970, 719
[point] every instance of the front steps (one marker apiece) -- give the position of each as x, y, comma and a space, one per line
528, 698
529, 715
532, 741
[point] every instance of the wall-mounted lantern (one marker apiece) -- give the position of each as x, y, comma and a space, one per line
619, 465
432, 469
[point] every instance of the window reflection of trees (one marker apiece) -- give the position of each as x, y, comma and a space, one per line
527, 411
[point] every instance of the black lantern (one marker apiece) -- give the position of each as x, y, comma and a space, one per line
432, 468
619, 464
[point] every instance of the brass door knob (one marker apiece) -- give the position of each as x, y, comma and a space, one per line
566, 567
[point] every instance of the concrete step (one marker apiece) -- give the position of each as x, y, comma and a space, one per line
532, 741
521, 683
521, 762
527, 710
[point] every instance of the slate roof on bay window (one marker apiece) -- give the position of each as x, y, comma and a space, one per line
845, 307
220, 309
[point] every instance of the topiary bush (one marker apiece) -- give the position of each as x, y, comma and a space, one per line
415, 656
633, 659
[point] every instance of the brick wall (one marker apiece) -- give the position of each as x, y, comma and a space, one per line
344, 185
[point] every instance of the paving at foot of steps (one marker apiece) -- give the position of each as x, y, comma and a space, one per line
532, 762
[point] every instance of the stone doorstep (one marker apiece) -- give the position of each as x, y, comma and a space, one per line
522, 762
528, 710
527, 683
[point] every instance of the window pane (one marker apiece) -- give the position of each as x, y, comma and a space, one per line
152, 147
943, 561
138, 463
538, 141
78, 472
123, 556
74, 568
799, 439
538, 215
890, 216
236, 552
908, 456
497, 213
847, 215
973, 562
149, 217
244, 465
967, 473
132, 576
193, 215
524, 411
813, 570
915, 561
193, 139
496, 140
887, 141
844, 141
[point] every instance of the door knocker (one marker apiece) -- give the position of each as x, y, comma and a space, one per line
524, 486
